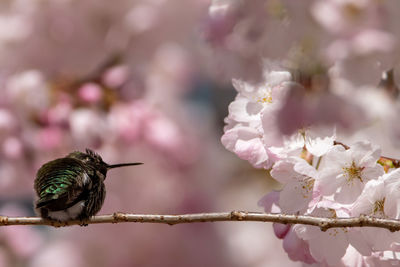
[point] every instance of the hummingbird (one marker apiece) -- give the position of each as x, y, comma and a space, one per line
72, 188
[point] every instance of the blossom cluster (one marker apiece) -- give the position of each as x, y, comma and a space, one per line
318, 109
359, 36
319, 175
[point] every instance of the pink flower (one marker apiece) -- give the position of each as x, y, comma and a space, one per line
127, 120
315, 142
329, 246
59, 113
360, 35
90, 92
162, 133
378, 199
344, 17
270, 202
87, 125
50, 138
344, 173
219, 23
383, 259
296, 248
298, 177
304, 108
354, 258
247, 144
13, 148
8, 121
251, 129
392, 188
29, 90
281, 230
115, 77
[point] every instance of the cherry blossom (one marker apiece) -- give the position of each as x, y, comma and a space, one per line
314, 141
378, 199
298, 178
296, 248
90, 93
253, 100
251, 131
323, 133
344, 173
247, 144
329, 246
353, 28
316, 109
29, 89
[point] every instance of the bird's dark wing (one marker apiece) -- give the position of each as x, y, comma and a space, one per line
61, 183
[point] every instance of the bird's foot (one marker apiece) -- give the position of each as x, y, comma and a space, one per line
83, 220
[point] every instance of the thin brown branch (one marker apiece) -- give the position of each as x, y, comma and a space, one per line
341, 144
392, 161
118, 217
385, 161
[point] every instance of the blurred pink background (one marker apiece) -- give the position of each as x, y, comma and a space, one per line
135, 81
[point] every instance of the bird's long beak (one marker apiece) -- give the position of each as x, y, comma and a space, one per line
123, 165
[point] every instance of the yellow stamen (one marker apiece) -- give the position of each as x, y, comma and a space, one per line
307, 186
353, 172
265, 99
379, 207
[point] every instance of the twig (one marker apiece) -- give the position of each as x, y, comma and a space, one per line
341, 144
385, 161
118, 217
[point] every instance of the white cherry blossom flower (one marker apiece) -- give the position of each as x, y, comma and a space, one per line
330, 246
247, 144
253, 99
251, 129
29, 90
310, 139
344, 173
296, 248
380, 201
298, 178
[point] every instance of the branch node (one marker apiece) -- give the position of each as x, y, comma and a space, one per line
119, 217
362, 219
237, 215
4, 220
324, 226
